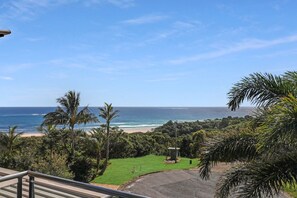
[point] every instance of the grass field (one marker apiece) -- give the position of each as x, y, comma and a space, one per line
121, 171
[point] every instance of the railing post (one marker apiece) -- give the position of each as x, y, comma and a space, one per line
20, 187
31, 187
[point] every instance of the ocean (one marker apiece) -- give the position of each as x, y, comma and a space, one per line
29, 118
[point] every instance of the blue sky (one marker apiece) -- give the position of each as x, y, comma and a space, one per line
140, 52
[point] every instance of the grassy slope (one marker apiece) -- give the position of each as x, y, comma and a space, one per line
121, 171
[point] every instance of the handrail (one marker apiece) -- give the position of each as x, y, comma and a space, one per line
85, 186
13, 176
18, 176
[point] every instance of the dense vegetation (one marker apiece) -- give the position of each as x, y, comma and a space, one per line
68, 152
265, 151
184, 128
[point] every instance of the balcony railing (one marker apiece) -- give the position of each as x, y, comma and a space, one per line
33, 184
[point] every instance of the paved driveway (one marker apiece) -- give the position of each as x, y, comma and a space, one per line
179, 184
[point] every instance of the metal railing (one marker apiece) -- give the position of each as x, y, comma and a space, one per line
32, 175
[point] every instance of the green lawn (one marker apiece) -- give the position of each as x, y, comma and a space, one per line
121, 171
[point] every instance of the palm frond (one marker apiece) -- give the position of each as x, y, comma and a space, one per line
85, 116
97, 133
230, 180
107, 112
8, 140
13, 135
260, 89
274, 163
280, 123
70, 102
234, 148
291, 76
58, 117
266, 178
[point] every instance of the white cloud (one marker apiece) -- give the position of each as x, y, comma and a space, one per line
97, 63
145, 19
238, 47
6, 78
118, 3
122, 3
187, 25
27, 9
175, 29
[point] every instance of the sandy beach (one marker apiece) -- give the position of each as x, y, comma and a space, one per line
127, 130
32, 134
139, 129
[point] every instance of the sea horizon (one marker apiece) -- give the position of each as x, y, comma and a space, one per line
129, 106
28, 119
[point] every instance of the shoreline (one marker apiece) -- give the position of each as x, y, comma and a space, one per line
126, 130
138, 129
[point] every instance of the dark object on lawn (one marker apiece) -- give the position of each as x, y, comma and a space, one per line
173, 154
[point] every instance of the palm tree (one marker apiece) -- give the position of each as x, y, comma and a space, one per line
98, 137
9, 140
69, 115
268, 152
108, 114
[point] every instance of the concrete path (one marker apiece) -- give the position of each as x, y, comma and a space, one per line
179, 184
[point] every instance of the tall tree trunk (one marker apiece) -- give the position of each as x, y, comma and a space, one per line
73, 142
98, 158
107, 150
